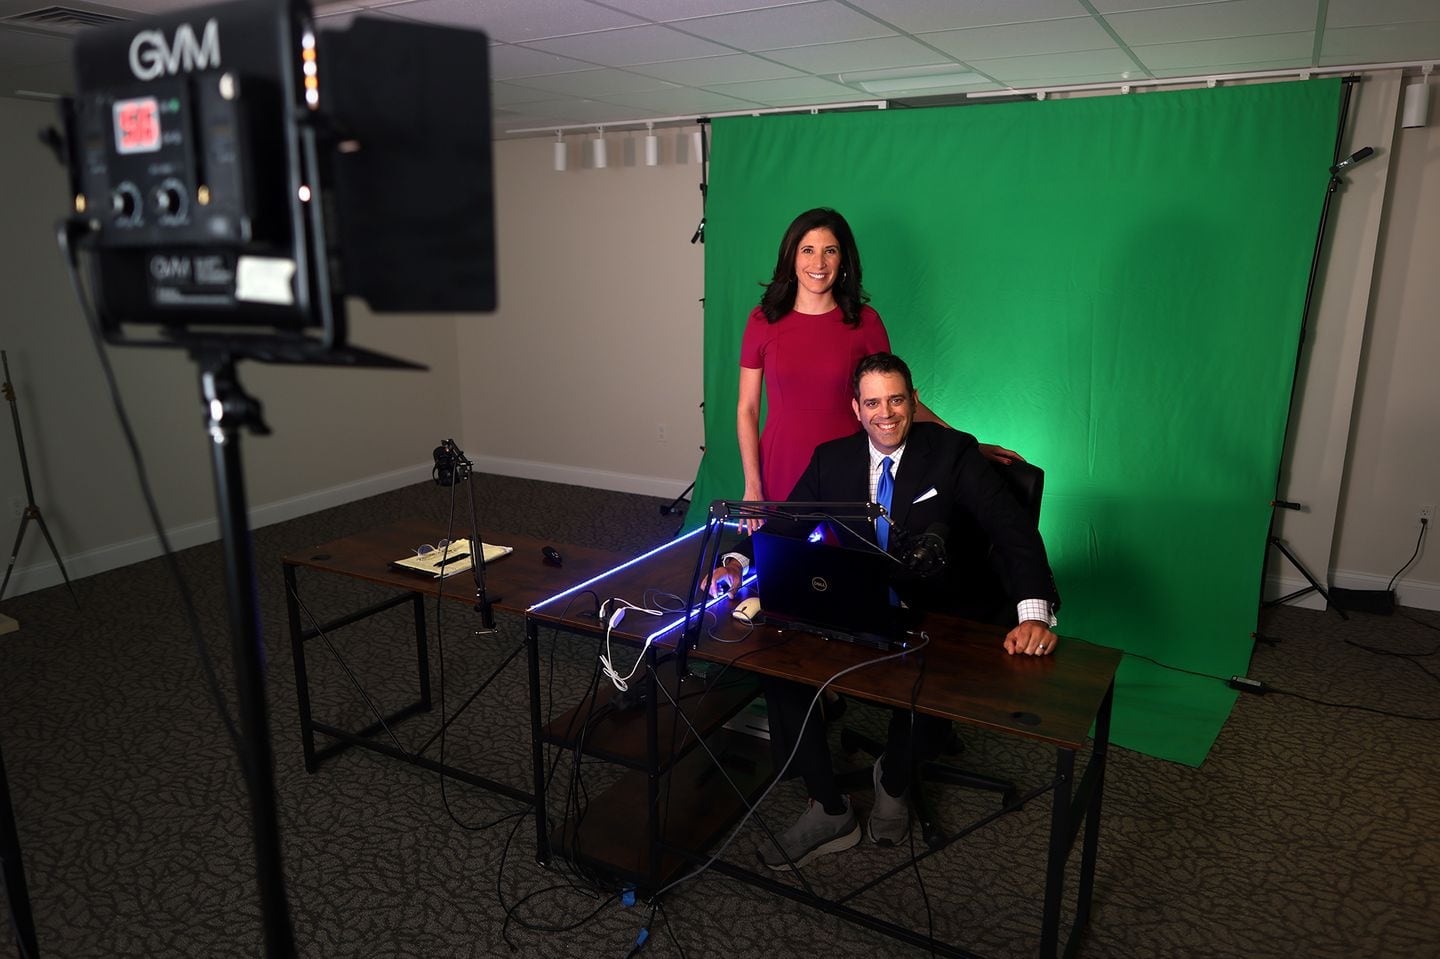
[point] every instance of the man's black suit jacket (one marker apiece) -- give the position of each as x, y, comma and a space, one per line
970, 501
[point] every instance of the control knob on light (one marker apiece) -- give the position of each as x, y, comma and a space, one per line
125, 203
170, 200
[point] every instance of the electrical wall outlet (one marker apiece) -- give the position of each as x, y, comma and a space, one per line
1427, 513
660, 432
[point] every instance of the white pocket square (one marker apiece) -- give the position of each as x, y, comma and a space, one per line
925, 495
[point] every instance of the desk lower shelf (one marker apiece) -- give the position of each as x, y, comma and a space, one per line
696, 805
618, 735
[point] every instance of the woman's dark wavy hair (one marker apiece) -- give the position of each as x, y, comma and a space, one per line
779, 296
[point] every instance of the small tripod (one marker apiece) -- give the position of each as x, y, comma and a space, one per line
31, 510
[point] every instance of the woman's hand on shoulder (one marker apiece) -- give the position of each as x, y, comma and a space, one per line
999, 454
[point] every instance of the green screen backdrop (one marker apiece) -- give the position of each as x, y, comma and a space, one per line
1112, 286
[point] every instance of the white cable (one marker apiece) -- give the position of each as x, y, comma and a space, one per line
611, 620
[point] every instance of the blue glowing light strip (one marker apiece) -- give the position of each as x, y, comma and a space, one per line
594, 579
687, 618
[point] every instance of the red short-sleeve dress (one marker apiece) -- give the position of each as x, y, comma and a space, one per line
807, 360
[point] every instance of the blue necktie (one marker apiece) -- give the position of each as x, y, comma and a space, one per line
884, 492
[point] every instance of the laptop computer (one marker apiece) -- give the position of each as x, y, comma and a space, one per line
839, 592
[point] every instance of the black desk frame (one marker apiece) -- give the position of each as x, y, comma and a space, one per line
1073, 806
365, 738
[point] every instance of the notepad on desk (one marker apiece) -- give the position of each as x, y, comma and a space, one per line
457, 558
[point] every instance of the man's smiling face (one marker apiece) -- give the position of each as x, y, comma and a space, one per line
885, 409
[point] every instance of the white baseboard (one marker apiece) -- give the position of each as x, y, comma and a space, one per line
661, 486
1418, 595
27, 579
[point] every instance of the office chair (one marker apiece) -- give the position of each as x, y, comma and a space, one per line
987, 600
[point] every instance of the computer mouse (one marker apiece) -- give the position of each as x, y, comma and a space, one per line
552, 556
747, 610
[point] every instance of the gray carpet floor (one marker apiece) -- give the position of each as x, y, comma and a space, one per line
1310, 830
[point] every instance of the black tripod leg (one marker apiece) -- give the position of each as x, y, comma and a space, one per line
1285, 551
675, 503
15, 552
14, 871
56, 553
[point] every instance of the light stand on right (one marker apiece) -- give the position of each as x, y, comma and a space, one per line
1339, 166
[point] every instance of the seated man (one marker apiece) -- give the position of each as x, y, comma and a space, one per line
929, 477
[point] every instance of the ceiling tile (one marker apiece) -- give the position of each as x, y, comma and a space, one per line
621, 48
921, 16
1121, 6
938, 90
1022, 82
1358, 13
516, 22
1209, 21
1023, 39
670, 11
1258, 66
1389, 44
594, 83
682, 102
1204, 55
1112, 63
508, 62
504, 94
707, 70
792, 26
139, 8
792, 91
854, 55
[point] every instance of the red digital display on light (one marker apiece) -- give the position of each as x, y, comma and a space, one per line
137, 125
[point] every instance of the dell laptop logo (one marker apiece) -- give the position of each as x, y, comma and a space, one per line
819, 584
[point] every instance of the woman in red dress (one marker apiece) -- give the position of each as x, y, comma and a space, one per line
800, 347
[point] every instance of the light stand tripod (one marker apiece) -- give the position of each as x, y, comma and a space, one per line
1339, 165
31, 510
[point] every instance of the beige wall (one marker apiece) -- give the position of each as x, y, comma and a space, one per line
597, 345
1393, 461
595, 352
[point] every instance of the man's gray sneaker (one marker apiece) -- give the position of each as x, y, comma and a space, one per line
890, 818
815, 833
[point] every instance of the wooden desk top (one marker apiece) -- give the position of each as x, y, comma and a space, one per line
514, 582
968, 676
